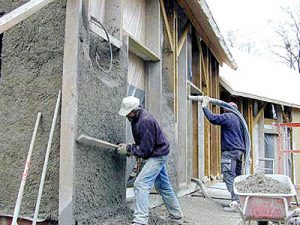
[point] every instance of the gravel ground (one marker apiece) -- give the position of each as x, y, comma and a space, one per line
197, 211
201, 211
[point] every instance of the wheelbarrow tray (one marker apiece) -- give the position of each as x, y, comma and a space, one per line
263, 206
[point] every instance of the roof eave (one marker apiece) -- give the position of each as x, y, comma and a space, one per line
256, 97
202, 19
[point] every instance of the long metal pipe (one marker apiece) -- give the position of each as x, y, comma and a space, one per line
38, 201
241, 118
25, 172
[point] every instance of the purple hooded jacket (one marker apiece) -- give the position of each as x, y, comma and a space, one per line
148, 136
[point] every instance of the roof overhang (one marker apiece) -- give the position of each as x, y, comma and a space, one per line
253, 96
202, 19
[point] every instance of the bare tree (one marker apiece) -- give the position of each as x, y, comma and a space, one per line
242, 41
288, 32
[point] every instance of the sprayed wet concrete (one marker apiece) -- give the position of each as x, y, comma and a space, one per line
99, 173
260, 183
32, 63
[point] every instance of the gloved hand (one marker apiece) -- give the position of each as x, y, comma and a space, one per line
205, 101
122, 149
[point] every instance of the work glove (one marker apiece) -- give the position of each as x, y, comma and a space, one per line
205, 101
122, 150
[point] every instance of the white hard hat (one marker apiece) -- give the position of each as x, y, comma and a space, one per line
128, 104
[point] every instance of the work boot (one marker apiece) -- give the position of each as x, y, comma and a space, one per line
234, 204
233, 207
174, 220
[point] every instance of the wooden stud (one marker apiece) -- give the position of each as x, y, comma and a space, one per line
21, 13
141, 50
176, 63
101, 33
195, 108
165, 18
250, 127
200, 70
195, 139
203, 65
285, 117
214, 155
218, 128
241, 106
183, 38
207, 124
259, 114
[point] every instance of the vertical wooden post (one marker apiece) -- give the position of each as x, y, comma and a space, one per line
250, 128
69, 113
175, 37
218, 128
207, 125
195, 111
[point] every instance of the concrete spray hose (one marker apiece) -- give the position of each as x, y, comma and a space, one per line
241, 118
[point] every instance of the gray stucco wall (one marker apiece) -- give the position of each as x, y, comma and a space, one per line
31, 78
167, 107
99, 173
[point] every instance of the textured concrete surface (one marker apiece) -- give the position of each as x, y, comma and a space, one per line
31, 78
167, 107
99, 173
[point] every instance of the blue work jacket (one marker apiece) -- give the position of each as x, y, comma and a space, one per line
148, 136
232, 133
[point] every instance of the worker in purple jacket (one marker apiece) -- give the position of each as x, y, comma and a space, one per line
232, 145
151, 145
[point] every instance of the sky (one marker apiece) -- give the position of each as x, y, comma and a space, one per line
255, 20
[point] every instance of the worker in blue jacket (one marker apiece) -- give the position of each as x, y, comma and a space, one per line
232, 144
151, 145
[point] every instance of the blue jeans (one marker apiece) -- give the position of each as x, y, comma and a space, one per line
154, 172
231, 164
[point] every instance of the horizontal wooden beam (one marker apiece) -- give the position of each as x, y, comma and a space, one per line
101, 33
141, 50
19, 14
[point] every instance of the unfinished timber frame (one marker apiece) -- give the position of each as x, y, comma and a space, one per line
192, 69
161, 54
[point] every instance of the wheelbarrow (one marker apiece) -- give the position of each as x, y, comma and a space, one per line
267, 207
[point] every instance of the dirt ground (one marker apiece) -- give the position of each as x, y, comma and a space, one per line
198, 210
